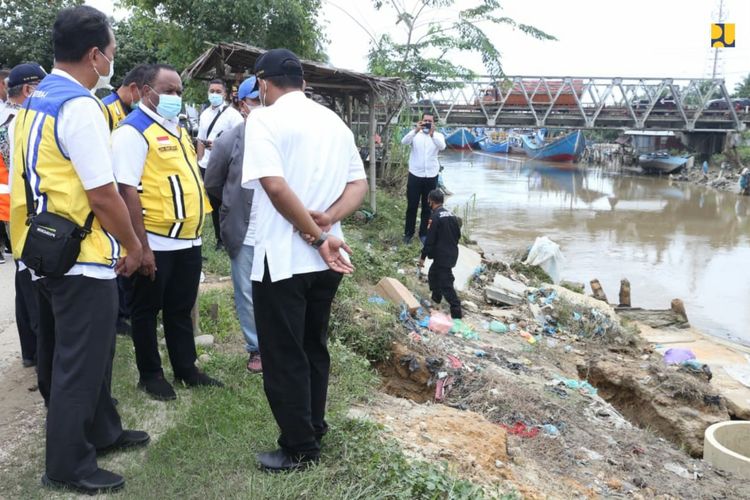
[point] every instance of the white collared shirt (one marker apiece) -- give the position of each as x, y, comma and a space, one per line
314, 151
129, 149
423, 159
227, 121
83, 135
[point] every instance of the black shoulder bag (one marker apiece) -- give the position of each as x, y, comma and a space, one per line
53, 242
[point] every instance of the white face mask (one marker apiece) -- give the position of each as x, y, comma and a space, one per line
105, 79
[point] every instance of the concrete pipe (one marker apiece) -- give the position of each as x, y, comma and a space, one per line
727, 447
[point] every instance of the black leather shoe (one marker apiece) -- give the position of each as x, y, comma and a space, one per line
198, 379
158, 388
28, 363
100, 481
128, 439
280, 461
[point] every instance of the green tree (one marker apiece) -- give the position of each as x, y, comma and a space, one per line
431, 29
742, 89
26, 30
185, 26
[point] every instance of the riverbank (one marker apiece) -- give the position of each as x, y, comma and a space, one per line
204, 444
513, 419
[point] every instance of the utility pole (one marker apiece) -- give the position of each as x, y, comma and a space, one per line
715, 63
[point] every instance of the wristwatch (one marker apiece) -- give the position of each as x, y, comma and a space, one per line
317, 243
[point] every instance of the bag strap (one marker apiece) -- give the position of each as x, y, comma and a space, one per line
30, 208
216, 118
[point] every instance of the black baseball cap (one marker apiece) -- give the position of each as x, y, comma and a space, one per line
26, 73
278, 62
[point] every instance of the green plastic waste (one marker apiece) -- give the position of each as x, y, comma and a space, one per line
498, 327
464, 330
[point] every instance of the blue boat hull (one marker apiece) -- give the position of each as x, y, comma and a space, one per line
565, 149
460, 139
488, 146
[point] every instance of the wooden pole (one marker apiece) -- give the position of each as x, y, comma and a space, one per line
348, 110
373, 175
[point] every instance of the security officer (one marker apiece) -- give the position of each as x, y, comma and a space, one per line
62, 159
125, 98
157, 169
441, 245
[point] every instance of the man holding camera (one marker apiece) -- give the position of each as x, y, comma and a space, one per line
424, 167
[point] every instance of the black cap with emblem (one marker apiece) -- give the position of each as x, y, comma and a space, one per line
278, 62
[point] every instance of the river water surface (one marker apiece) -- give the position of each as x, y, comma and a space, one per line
671, 240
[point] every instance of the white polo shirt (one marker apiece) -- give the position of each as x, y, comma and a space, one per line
314, 151
229, 119
83, 135
423, 159
129, 149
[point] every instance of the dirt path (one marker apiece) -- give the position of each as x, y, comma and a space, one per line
21, 406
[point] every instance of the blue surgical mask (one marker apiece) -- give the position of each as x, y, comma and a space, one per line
216, 99
169, 106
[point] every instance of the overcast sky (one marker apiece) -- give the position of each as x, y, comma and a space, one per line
645, 38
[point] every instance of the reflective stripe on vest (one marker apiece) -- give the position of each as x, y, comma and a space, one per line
55, 185
171, 189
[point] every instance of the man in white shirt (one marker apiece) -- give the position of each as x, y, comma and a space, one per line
238, 216
69, 170
304, 159
216, 119
156, 168
424, 168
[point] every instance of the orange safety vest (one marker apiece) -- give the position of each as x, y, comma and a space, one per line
4, 192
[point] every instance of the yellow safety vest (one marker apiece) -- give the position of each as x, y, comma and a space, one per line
115, 110
55, 184
172, 194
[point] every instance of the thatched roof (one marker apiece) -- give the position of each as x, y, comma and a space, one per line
223, 58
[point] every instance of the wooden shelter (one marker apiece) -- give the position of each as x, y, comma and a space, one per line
344, 91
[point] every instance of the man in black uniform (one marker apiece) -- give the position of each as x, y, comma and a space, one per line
441, 245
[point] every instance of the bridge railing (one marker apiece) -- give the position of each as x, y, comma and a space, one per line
589, 102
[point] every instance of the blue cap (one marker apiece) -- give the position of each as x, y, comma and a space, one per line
249, 89
26, 73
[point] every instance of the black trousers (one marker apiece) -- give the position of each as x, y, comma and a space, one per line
4, 237
76, 329
215, 206
292, 319
173, 293
27, 313
125, 299
417, 189
440, 279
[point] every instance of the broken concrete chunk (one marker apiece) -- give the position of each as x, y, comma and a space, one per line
497, 296
507, 284
397, 293
505, 291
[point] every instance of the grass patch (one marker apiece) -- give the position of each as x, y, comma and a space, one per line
204, 444
215, 261
536, 274
217, 314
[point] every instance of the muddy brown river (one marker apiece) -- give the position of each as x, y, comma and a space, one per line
671, 240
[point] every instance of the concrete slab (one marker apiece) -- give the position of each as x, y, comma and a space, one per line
468, 261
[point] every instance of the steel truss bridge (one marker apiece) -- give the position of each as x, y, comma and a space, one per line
687, 105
